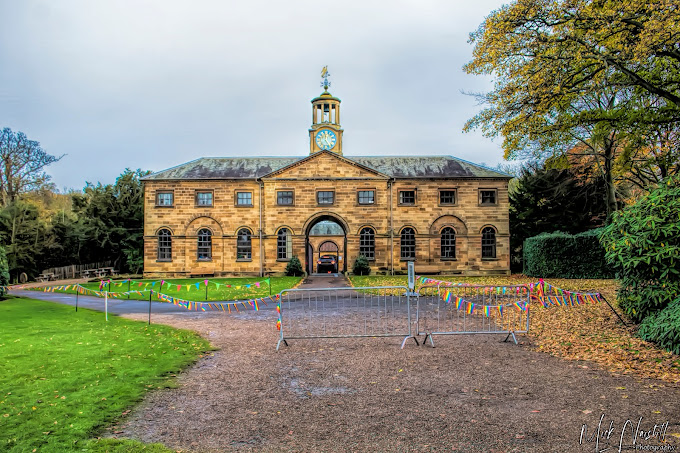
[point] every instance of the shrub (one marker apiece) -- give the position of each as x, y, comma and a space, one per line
643, 245
561, 255
663, 327
361, 266
294, 267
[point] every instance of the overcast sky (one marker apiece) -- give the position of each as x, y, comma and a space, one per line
152, 84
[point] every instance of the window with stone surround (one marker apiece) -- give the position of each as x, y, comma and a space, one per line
284, 244
244, 198
204, 198
366, 196
488, 243
407, 197
367, 243
164, 198
164, 245
447, 197
408, 244
284, 197
204, 244
325, 197
448, 243
488, 197
244, 245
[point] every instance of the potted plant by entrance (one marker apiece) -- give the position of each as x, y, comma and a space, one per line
361, 266
294, 267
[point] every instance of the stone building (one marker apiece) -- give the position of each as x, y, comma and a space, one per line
250, 215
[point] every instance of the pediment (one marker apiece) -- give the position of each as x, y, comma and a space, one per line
325, 165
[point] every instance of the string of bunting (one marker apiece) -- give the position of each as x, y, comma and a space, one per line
541, 292
188, 304
188, 286
193, 305
547, 294
470, 307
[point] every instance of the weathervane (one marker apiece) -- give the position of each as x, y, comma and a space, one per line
325, 75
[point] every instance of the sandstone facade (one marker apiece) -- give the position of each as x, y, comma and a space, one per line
325, 172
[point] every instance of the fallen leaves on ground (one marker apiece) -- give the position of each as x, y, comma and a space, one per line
591, 332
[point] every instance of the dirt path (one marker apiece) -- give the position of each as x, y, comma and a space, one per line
471, 393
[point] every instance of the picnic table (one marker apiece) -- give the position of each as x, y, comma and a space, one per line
100, 272
108, 271
46, 277
86, 273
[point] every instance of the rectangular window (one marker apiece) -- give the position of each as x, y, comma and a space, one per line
366, 196
487, 196
447, 197
284, 197
407, 197
325, 197
164, 198
244, 198
204, 198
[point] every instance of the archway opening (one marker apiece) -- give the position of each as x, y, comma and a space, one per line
326, 244
328, 258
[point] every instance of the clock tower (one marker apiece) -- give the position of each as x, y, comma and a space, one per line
325, 133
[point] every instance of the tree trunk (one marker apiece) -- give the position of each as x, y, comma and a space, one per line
612, 205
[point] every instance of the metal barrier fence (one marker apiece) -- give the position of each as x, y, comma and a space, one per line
341, 313
472, 309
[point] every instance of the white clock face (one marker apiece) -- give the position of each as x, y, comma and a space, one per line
325, 139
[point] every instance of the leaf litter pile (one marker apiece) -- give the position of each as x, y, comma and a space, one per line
470, 393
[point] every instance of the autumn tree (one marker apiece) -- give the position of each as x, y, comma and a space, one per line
22, 165
579, 76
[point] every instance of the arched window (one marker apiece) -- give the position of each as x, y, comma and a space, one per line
204, 244
164, 245
408, 244
367, 243
284, 245
448, 243
244, 246
488, 243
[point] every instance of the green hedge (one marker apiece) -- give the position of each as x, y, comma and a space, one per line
663, 327
561, 255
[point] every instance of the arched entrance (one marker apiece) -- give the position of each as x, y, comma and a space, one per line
326, 243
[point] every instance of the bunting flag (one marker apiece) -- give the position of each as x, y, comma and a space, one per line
460, 301
278, 321
470, 308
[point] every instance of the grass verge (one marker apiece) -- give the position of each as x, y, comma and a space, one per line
67, 375
185, 288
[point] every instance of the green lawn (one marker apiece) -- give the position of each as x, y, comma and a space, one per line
218, 288
65, 375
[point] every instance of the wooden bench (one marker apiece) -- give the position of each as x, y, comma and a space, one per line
427, 269
196, 274
46, 277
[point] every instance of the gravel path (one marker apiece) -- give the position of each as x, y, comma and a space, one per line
471, 393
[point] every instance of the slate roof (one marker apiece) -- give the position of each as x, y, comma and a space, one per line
395, 166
